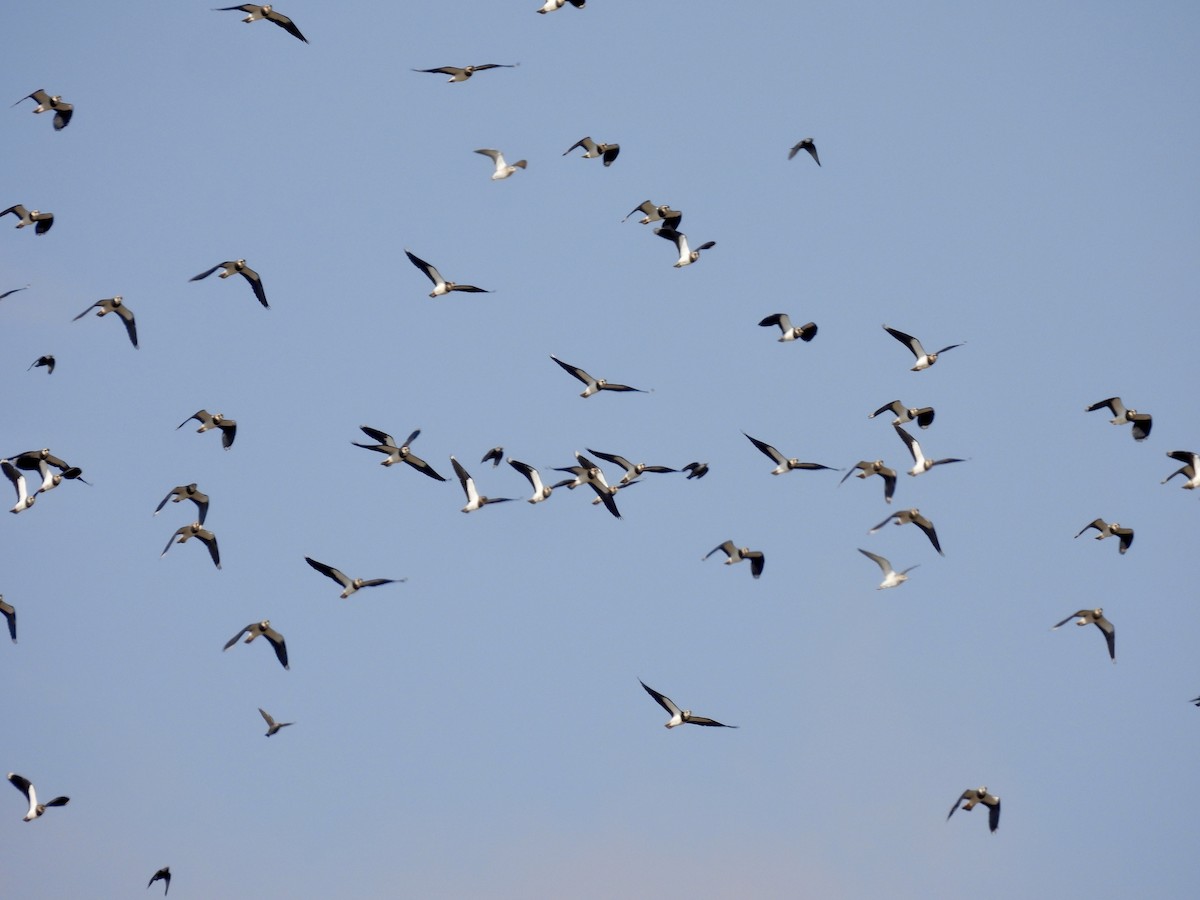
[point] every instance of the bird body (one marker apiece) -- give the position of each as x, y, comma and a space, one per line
922, 415
17, 480
540, 491
164, 875
475, 500
632, 470
1190, 469
669, 217
47, 361
920, 463
186, 492
397, 453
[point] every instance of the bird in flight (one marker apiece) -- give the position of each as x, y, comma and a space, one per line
209, 420
265, 12
805, 332
1142, 422
238, 267
186, 492
1110, 529
922, 415
687, 256
594, 385
164, 875
503, 169
891, 578
680, 716
395, 454
45, 103
920, 463
42, 221
1095, 617
913, 516
254, 629
195, 530
10, 614
36, 809
47, 361
669, 217
457, 74
441, 285
272, 725
808, 146
115, 304
350, 584
608, 152
475, 500
867, 468
971, 796
783, 464
924, 360
735, 554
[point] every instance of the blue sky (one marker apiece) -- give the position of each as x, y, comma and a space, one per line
1018, 178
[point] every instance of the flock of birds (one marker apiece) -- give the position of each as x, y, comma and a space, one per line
52, 471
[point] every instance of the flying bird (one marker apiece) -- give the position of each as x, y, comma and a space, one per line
35, 809
238, 267
735, 554
808, 146
396, 454
164, 875
922, 415
687, 256
587, 472
254, 629
265, 12
272, 725
924, 360
186, 492
632, 470
594, 385
24, 498
551, 5
891, 578
47, 361
350, 584
40, 461
592, 150
45, 103
1190, 469
920, 463
42, 221
209, 420
540, 491
783, 464
867, 468
10, 613
114, 304
669, 217
441, 285
457, 74
1142, 422
1109, 529
503, 169
805, 332
13, 291
695, 470
496, 455
475, 500
195, 530
979, 795
1095, 617
680, 716
913, 516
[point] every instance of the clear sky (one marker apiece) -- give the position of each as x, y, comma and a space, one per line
1021, 178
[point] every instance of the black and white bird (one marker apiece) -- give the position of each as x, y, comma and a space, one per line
397, 453
594, 385
687, 256
807, 145
350, 584
209, 420
1110, 529
36, 809
114, 304
17, 480
592, 150
680, 716
268, 13
1095, 617
1190, 469
924, 360
669, 217
475, 500
187, 492
42, 221
502, 168
1142, 422
920, 463
263, 628
867, 467
41, 461
632, 470
163, 875
186, 532
272, 725
10, 614
238, 267
695, 470
891, 578
541, 491
913, 516
783, 463
440, 285
805, 332
922, 415
587, 472
551, 5
47, 361
972, 796
735, 554
457, 74
45, 103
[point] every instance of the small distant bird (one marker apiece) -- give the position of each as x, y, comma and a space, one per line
867, 468
807, 145
115, 304
594, 385
1109, 529
1095, 617
680, 716
540, 491
475, 500
805, 332
736, 554
669, 217
35, 809
783, 464
24, 498
396, 454
1142, 422
10, 613
45, 103
551, 5
238, 267
195, 530
265, 12
164, 875
457, 74
47, 361
254, 629
272, 725
979, 795
687, 256
906, 516
209, 420
441, 285
695, 470
496, 455
632, 470
592, 150
13, 291
503, 169
1190, 469
186, 492
891, 578
924, 360
43, 221
920, 463
922, 415
350, 584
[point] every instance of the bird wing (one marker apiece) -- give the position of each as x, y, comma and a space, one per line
286, 24
206, 272
468, 485
126, 315
1110, 635
702, 720
767, 449
279, 645
423, 467
329, 571
880, 561
780, 319
256, 283
233, 640
266, 717
757, 562
86, 311
171, 540
1114, 404
993, 813
382, 436
10, 613
586, 143
926, 526
174, 492
662, 700
574, 370
908, 340
1098, 524
647, 207
210, 541
430, 272
884, 522
1074, 615
728, 546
